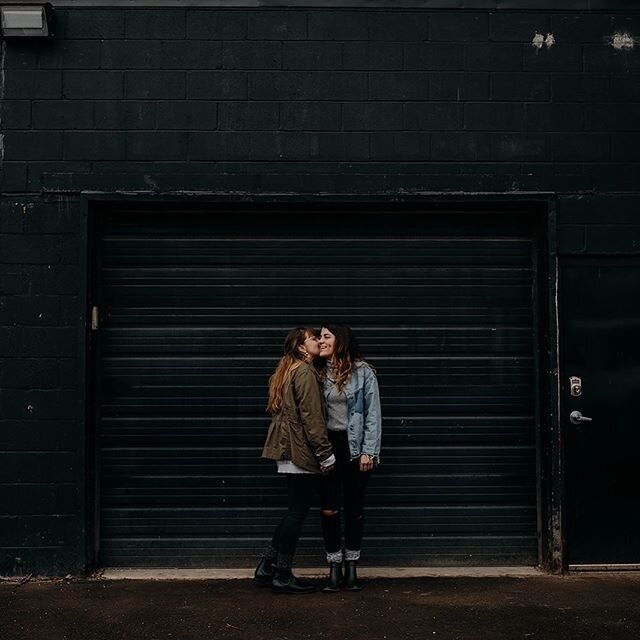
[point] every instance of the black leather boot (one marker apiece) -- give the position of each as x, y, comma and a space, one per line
351, 577
285, 582
335, 577
264, 572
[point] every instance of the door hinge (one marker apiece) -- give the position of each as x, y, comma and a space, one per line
94, 318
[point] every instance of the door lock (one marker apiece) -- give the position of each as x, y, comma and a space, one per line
575, 385
576, 417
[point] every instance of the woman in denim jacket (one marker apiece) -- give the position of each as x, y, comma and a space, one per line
354, 426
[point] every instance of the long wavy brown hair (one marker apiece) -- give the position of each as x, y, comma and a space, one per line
291, 359
345, 353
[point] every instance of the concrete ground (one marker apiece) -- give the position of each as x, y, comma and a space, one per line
600, 607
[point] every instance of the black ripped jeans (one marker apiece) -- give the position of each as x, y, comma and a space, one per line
345, 485
301, 489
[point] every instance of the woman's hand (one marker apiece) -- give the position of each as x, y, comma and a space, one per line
329, 464
366, 462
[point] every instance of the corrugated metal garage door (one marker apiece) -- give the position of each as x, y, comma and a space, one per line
194, 307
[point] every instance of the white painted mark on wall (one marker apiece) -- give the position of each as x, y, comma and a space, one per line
622, 41
540, 40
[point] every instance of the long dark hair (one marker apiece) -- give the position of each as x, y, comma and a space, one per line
291, 359
346, 352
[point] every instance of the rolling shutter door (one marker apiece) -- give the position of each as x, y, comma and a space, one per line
194, 308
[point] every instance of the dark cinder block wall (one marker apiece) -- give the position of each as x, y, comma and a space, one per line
257, 101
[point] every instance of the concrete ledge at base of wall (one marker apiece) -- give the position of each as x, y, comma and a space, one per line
178, 575
315, 572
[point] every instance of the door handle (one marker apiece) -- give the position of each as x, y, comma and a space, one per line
576, 417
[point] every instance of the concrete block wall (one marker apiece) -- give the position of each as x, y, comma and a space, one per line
42, 396
164, 101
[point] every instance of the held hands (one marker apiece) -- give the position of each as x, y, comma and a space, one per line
328, 465
366, 462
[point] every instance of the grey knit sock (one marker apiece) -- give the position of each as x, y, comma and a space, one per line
334, 556
350, 555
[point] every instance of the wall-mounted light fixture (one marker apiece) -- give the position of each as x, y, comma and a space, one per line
26, 20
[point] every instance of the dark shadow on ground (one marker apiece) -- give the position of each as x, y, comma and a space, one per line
548, 608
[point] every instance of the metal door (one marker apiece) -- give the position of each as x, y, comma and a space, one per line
194, 307
601, 351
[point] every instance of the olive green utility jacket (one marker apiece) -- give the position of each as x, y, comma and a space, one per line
298, 431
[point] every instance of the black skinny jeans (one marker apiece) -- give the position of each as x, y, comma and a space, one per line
345, 485
301, 489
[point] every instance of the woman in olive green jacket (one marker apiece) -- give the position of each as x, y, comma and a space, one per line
297, 440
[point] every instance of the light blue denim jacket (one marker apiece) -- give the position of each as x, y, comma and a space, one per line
364, 430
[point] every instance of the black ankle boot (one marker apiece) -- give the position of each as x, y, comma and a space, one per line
335, 577
351, 577
285, 582
264, 572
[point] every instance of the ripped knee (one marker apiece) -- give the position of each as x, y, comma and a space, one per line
329, 512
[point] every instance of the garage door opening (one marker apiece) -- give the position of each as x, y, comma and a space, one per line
193, 308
